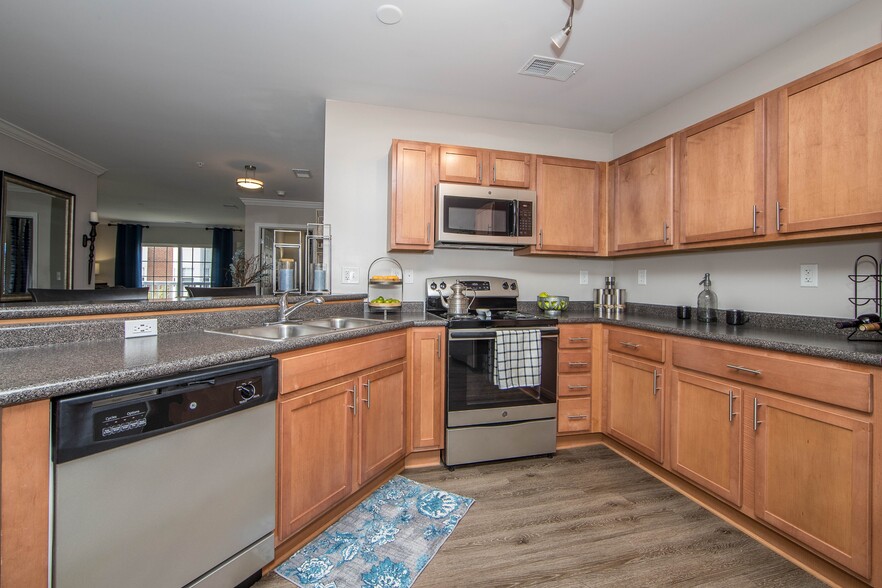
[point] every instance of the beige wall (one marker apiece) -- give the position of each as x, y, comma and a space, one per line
31, 163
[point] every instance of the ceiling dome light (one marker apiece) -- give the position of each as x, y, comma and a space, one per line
249, 182
560, 37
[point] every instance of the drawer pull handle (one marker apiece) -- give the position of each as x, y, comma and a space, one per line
741, 368
756, 421
577, 417
577, 363
629, 345
731, 406
577, 387
354, 406
574, 339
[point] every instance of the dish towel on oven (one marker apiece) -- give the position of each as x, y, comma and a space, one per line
517, 360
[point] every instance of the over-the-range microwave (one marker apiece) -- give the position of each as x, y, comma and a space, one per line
484, 216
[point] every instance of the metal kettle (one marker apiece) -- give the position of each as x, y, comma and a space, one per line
458, 302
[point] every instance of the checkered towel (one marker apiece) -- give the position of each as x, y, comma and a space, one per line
518, 358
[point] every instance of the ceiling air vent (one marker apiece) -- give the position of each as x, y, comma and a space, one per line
550, 68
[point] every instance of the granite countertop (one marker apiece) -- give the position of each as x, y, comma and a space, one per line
46, 371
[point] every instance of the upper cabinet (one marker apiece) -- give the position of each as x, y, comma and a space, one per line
830, 147
468, 165
568, 206
722, 176
412, 170
642, 198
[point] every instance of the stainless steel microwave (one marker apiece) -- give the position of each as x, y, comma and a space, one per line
482, 216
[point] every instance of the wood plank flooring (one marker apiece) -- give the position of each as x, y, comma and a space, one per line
588, 517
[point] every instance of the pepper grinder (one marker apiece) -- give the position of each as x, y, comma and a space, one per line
707, 302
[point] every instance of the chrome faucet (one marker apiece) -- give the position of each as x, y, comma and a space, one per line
285, 311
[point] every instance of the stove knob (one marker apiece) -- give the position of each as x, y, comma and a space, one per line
514, 285
505, 285
443, 285
433, 286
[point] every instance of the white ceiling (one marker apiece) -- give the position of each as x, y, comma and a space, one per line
148, 88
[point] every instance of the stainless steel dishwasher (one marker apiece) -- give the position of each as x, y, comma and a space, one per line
167, 483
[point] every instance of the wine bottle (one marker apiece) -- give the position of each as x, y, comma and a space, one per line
857, 322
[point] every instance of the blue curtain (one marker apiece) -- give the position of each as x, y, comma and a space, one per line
20, 238
128, 255
221, 257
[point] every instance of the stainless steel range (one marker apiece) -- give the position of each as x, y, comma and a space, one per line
501, 373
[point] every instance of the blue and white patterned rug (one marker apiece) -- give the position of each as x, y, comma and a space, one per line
386, 541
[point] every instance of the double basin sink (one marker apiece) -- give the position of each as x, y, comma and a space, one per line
290, 330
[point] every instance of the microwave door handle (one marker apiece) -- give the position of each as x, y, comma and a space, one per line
513, 229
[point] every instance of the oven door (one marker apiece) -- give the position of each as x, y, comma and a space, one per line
473, 398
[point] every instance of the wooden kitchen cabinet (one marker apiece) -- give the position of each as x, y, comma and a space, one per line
427, 353
813, 477
722, 175
469, 165
706, 434
574, 370
635, 404
829, 147
341, 412
568, 207
642, 198
412, 171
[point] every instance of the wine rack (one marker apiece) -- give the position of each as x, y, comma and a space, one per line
867, 281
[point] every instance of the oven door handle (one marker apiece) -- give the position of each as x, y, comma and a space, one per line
483, 334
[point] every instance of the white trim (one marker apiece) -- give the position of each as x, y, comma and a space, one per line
41, 144
282, 203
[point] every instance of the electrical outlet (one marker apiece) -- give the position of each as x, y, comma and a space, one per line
350, 275
141, 328
808, 275
583, 277
408, 276
641, 277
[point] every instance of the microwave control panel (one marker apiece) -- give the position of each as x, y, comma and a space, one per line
525, 219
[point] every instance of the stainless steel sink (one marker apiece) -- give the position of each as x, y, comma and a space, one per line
344, 322
277, 331
290, 330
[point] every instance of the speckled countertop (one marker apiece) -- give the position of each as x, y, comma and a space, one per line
43, 361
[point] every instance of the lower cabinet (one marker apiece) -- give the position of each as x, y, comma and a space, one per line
705, 434
814, 477
574, 360
426, 354
635, 404
338, 434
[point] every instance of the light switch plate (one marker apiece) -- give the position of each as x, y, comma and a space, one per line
583, 277
350, 275
641, 277
408, 276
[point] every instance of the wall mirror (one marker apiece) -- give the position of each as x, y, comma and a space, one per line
36, 237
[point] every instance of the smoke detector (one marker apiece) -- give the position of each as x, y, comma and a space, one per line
550, 68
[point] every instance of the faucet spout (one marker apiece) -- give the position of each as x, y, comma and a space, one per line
286, 310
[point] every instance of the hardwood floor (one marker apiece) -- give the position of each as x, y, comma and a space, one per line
588, 517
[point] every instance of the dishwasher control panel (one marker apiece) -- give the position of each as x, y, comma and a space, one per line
99, 421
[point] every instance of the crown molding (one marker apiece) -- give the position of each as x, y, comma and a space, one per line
281, 203
41, 144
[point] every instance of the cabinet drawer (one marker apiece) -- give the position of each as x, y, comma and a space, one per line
569, 362
574, 384
302, 369
574, 337
828, 383
649, 347
574, 415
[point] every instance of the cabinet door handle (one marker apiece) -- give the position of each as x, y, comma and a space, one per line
755, 212
629, 345
438, 348
577, 363
756, 421
540, 238
655, 382
577, 387
574, 339
494, 172
665, 232
731, 406
741, 368
428, 232
778, 215
368, 399
577, 417
354, 406
480, 171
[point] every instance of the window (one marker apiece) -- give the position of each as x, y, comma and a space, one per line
168, 269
